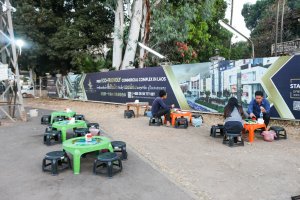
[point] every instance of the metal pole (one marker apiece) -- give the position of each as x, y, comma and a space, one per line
15, 63
40, 86
231, 16
276, 28
252, 45
234, 31
282, 17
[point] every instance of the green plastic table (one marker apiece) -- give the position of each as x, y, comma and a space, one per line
61, 114
78, 146
63, 126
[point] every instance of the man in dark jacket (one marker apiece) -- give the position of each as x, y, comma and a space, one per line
159, 108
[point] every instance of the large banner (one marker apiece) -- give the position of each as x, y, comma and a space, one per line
128, 86
203, 87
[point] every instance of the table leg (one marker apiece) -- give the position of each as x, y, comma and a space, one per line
76, 162
51, 120
110, 148
173, 121
63, 134
251, 135
137, 111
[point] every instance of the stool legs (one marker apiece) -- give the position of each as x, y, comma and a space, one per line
44, 165
214, 131
54, 163
232, 139
109, 169
124, 154
109, 165
278, 135
54, 167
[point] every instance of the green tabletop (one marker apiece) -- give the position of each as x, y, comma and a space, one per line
78, 146
63, 126
61, 114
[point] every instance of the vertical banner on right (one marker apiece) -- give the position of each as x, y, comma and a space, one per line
282, 84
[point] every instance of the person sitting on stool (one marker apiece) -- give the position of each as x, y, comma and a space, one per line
259, 105
233, 114
159, 108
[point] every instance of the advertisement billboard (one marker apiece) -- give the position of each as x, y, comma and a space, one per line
202, 87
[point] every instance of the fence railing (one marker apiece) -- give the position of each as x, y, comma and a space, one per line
286, 48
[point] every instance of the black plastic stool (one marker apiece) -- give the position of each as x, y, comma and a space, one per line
58, 119
231, 139
108, 160
94, 125
215, 129
49, 128
79, 132
296, 197
181, 122
79, 117
129, 114
280, 132
52, 137
45, 119
155, 121
120, 146
56, 161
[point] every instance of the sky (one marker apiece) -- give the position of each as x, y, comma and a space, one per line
185, 71
238, 20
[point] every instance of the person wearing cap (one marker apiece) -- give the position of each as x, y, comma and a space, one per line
159, 108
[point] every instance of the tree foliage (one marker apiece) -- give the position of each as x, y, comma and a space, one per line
240, 50
260, 18
60, 32
193, 23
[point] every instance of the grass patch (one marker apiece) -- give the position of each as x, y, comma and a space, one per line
218, 108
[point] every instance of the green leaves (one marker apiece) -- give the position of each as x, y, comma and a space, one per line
61, 31
194, 23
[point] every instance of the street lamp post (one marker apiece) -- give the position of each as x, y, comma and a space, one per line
276, 28
282, 17
216, 61
236, 32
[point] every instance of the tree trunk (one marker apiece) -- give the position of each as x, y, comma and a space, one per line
135, 26
145, 31
118, 36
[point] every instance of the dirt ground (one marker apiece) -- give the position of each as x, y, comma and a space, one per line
22, 178
198, 163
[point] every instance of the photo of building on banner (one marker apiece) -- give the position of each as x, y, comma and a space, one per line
208, 86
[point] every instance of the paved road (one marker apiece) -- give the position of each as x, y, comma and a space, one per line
21, 177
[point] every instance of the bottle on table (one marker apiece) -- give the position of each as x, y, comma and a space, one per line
261, 115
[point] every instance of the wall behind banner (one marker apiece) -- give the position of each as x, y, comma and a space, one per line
203, 86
